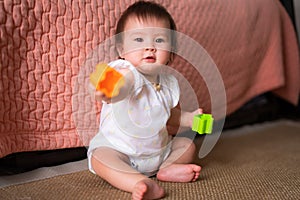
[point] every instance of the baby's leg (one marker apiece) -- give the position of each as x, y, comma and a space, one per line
177, 167
114, 167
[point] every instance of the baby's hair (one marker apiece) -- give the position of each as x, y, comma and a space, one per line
145, 10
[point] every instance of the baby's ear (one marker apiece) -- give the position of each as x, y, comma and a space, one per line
171, 57
120, 49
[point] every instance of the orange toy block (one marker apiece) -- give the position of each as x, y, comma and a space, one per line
107, 80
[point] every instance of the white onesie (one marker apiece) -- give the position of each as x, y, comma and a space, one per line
136, 125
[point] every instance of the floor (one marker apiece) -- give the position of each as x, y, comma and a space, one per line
71, 167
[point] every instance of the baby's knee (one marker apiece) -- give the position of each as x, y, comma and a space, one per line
184, 142
191, 145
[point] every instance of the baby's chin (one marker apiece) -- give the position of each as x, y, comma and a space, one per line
150, 68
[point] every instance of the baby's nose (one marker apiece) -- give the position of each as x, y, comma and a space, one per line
151, 49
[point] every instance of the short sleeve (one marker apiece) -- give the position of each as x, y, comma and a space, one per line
138, 80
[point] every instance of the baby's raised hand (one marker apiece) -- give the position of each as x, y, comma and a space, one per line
108, 84
97, 95
107, 80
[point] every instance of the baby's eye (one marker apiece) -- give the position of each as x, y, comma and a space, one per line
138, 39
159, 40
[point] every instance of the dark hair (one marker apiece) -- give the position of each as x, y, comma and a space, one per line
144, 10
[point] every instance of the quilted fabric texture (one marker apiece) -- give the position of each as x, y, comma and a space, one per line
45, 45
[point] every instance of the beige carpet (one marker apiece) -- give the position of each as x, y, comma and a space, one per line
257, 162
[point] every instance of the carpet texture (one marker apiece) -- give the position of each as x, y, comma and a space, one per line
253, 163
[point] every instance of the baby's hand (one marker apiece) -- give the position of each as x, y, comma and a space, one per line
188, 117
197, 112
116, 94
192, 114
97, 95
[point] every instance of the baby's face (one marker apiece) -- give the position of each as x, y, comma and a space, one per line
146, 44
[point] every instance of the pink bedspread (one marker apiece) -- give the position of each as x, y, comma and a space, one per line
44, 45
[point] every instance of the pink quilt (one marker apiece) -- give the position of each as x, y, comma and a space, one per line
45, 45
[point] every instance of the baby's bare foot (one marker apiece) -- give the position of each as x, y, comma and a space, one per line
179, 173
147, 189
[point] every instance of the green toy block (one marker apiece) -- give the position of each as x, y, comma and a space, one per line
203, 123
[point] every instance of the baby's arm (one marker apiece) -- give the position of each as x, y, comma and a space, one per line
182, 118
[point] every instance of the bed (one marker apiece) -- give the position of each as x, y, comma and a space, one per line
45, 45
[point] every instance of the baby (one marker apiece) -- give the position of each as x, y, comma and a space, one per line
133, 143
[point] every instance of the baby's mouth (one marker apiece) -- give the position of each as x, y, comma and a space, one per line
150, 59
